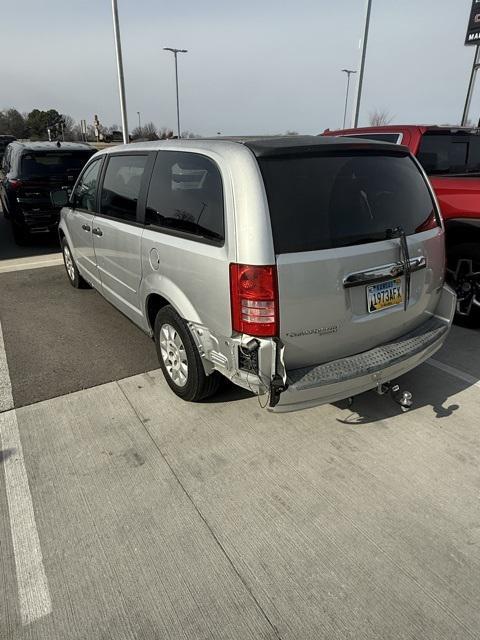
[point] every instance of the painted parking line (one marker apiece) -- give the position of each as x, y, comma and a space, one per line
33, 592
6, 398
35, 262
453, 371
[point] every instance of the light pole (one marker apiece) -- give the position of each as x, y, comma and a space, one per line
139, 121
358, 97
121, 81
471, 86
349, 73
175, 52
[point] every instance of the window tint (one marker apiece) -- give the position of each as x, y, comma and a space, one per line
186, 195
338, 200
121, 186
54, 163
383, 137
85, 192
441, 153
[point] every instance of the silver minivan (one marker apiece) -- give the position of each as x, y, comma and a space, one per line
310, 269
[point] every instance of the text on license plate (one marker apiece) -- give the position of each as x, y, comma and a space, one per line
384, 294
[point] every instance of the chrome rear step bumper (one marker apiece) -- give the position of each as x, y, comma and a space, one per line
310, 386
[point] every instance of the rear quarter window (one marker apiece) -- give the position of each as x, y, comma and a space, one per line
186, 196
329, 201
393, 138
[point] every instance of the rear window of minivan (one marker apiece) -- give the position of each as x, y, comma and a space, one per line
342, 199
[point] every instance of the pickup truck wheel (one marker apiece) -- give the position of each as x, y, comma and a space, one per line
463, 275
73, 274
179, 358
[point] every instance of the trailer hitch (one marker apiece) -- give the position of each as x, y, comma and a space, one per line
403, 398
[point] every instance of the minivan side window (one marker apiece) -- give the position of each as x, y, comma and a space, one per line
84, 194
186, 196
121, 186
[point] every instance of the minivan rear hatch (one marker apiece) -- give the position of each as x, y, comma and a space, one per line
359, 247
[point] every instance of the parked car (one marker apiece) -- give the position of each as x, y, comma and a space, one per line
4, 141
310, 268
30, 170
451, 159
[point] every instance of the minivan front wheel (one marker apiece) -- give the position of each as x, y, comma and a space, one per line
73, 274
179, 358
463, 275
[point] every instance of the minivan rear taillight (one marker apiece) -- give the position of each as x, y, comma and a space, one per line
254, 299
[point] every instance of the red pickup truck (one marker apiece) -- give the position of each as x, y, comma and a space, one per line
450, 157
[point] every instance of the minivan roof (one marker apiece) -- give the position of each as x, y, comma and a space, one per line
52, 146
262, 146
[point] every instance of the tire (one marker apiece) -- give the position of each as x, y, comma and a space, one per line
20, 236
73, 275
179, 358
463, 275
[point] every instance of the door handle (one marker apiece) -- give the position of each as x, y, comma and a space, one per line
86, 227
97, 231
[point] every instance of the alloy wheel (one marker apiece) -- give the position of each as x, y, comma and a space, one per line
466, 282
67, 256
174, 355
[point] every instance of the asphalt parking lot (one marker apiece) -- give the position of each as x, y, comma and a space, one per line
126, 513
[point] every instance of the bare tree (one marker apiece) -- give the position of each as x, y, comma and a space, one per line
149, 131
165, 134
190, 134
380, 117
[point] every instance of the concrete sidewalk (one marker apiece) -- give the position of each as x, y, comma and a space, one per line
162, 519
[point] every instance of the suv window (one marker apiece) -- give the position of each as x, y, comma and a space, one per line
186, 195
327, 201
121, 186
456, 153
53, 163
84, 195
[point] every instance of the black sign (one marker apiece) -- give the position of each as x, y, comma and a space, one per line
473, 31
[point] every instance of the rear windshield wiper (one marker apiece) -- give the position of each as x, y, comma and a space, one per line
399, 232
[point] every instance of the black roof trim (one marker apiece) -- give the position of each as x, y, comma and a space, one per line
305, 145
52, 146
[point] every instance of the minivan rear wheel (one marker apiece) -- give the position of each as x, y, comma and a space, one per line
73, 274
179, 358
463, 275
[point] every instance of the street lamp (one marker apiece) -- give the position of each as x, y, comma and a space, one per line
175, 52
358, 98
121, 82
349, 73
139, 121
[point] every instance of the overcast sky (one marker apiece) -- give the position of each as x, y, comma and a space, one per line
253, 66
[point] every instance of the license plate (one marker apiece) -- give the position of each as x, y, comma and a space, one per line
384, 294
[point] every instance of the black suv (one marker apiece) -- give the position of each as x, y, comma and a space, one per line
30, 171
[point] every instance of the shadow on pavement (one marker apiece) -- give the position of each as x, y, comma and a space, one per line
229, 392
6, 453
429, 386
40, 244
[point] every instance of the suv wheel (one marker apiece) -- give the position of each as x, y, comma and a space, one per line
463, 275
179, 358
20, 236
74, 276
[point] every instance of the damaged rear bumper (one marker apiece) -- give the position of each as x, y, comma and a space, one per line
339, 379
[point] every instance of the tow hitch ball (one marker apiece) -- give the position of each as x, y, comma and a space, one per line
403, 398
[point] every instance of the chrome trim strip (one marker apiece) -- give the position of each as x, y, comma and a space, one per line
385, 272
